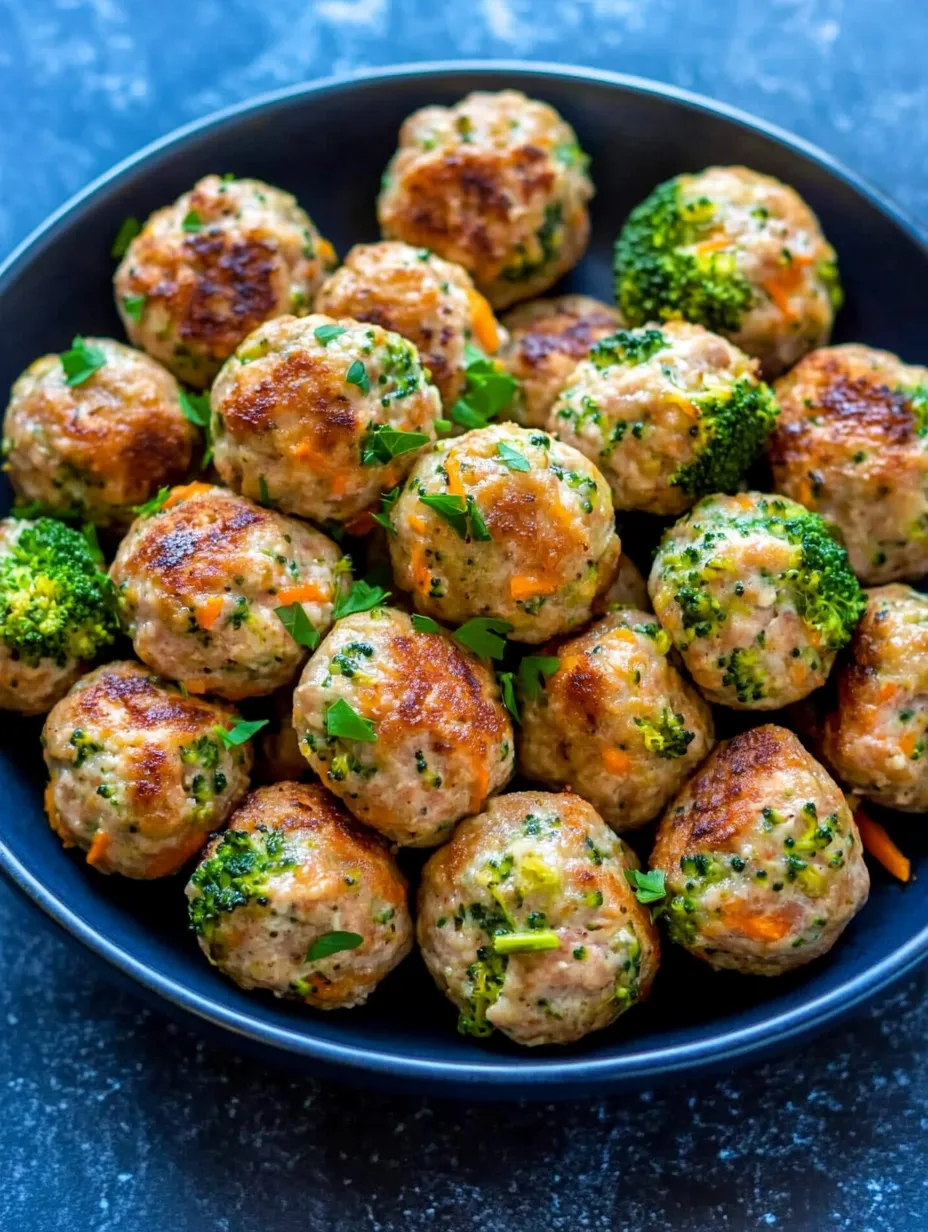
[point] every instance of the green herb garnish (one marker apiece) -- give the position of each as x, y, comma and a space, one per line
81, 362
241, 733
343, 721
294, 619
484, 635
332, 943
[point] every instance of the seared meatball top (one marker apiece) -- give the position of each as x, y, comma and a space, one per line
497, 183
852, 444
205, 271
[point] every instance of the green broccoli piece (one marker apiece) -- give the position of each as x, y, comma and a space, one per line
828, 595
236, 874
487, 976
731, 431
550, 237
667, 737
656, 280
743, 673
54, 601
627, 346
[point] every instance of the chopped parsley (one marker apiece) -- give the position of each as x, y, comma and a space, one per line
294, 619
485, 636
343, 721
381, 444
241, 733
361, 598
81, 362
128, 230
357, 375
332, 943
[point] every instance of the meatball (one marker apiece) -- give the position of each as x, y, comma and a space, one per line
429, 301
404, 725
876, 738
851, 445
319, 416
668, 414
298, 899
509, 524
527, 922
614, 720
56, 612
95, 431
628, 588
761, 858
277, 748
207, 270
140, 773
757, 597
736, 251
547, 339
497, 183
210, 585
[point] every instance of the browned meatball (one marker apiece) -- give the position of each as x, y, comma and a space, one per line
547, 339
497, 183
528, 924
98, 446
851, 444
298, 899
761, 858
628, 588
140, 773
876, 740
429, 301
207, 270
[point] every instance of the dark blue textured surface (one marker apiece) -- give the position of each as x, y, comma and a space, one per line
113, 1120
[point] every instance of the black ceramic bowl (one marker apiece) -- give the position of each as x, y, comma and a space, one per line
328, 143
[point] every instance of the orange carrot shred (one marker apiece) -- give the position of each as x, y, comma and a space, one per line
306, 592
101, 840
209, 612
881, 846
176, 495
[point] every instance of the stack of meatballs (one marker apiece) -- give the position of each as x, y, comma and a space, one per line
352, 491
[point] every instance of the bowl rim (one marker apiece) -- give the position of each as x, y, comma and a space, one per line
635, 1063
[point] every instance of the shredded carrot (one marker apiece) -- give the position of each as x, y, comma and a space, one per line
453, 471
361, 524
101, 840
209, 612
908, 743
760, 926
615, 761
338, 484
306, 451
325, 251
195, 686
881, 847
887, 691
797, 673
481, 784
421, 573
176, 495
417, 524
306, 592
784, 282
525, 586
622, 635
713, 244
568, 663
484, 322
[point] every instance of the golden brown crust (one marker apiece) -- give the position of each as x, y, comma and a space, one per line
142, 699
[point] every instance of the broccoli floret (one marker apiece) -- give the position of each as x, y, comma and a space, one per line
487, 976
743, 673
828, 595
549, 239
656, 280
667, 737
54, 601
732, 428
235, 875
627, 346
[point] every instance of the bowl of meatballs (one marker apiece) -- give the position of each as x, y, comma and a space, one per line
460, 580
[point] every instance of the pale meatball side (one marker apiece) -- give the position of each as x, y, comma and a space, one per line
209, 585
299, 900
431, 302
628, 588
852, 444
876, 737
207, 270
318, 416
497, 183
762, 862
757, 597
140, 774
57, 612
404, 725
736, 251
505, 523
614, 720
528, 924
547, 339
668, 415
95, 431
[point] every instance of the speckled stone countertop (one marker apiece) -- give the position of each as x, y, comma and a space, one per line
113, 1118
